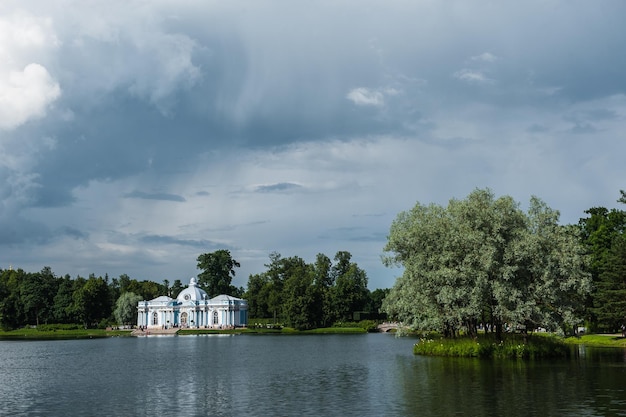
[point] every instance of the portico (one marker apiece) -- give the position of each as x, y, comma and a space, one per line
192, 309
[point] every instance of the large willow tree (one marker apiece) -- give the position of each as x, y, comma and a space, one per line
484, 261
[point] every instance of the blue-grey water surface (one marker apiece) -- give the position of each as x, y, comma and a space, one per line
314, 375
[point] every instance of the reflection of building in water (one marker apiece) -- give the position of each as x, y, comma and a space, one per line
193, 308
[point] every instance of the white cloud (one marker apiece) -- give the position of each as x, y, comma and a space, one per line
472, 76
26, 87
363, 96
485, 57
26, 95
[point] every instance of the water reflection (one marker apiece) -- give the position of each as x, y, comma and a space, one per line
348, 375
587, 385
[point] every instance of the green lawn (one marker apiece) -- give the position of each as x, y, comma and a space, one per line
284, 330
600, 340
28, 333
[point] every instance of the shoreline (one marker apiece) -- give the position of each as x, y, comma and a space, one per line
64, 334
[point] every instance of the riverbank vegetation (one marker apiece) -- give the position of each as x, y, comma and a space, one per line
598, 340
59, 331
488, 346
275, 331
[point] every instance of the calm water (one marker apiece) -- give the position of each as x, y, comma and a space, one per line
342, 375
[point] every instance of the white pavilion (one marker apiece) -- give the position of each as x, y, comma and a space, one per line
192, 309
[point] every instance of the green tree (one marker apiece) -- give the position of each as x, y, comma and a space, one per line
36, 295
602, 232
298, 294
63, 302
376, 300
483, 260
145, 289
126, 308
91, 300
324, 281
257, 294
218, 270
276, 277
11, 311
177, 287
350, 292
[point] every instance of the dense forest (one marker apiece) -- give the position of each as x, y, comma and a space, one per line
477, 261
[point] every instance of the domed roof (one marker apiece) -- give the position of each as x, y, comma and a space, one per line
192, 292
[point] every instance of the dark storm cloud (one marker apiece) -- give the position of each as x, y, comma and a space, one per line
170, 240
372, 105
278, 187
15, 230
225, 95
155, 196
73, 232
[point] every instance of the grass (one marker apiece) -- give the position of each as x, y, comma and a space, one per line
284, 330
598, 340
335, 330
46, 332
76, 331
513, 346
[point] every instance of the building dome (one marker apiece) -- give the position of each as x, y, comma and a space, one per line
192, 292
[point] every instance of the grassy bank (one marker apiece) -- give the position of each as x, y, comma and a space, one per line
284, 330
46, 332
513, 346
598, 340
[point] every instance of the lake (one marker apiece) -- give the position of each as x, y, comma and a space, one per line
312, 375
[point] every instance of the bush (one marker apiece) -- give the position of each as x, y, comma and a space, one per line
367, 325
55, 327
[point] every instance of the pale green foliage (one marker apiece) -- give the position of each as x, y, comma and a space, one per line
126, 308
483, 260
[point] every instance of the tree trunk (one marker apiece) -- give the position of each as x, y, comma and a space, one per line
498, 327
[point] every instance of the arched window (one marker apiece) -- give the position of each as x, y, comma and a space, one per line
155, 318
183, 319
215, 317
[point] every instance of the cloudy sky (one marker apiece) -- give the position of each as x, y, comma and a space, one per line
136, 135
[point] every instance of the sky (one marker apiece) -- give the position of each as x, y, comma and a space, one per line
136, 135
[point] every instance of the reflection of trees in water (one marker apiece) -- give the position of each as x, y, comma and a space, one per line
457, 386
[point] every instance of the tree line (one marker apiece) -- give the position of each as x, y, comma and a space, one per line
289, 292
483, 262
480, 262
33, 298
319, 294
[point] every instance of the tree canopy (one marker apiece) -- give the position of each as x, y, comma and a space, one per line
218, 271
603, 234
126, 308
483, 261
305, 295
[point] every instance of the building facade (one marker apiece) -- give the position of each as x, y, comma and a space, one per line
192, 309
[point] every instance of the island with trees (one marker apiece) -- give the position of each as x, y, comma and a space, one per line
483, 265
